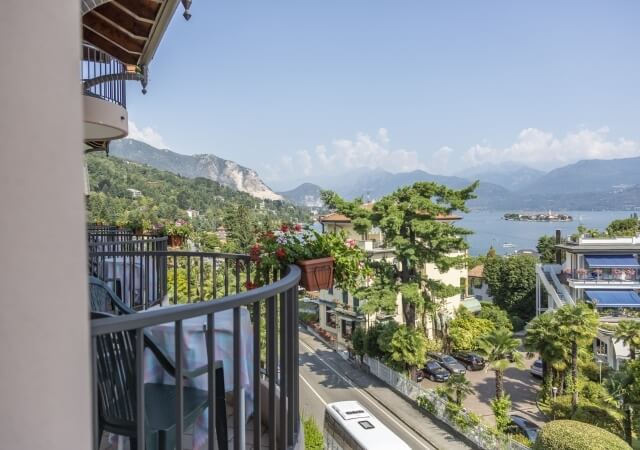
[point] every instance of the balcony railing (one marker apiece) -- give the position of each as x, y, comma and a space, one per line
204, 285
276, 304
605, 276
103, 76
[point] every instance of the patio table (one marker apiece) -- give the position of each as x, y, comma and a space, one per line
133, 277
195, 355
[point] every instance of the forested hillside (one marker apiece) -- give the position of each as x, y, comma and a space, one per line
166, 197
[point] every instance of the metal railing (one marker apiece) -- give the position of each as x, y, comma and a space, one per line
275, 305
103, 76
463, 423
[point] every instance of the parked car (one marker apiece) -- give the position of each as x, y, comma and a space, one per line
536, 368
448, 362
434, 371
471, 361
520, 425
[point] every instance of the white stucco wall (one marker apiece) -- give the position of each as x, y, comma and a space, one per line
44, 325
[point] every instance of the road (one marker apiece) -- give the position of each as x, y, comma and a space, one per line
323, 379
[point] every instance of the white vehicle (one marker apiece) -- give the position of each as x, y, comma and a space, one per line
349, 426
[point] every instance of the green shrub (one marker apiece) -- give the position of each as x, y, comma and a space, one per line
591, 370
517, 323
424, 402
307, 317
593, 391
605, 418
561, 408
573, 435
313, 439
501, 408
521, 439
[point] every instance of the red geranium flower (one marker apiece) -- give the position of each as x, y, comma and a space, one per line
254, 252
281, 252
284, 228
298, 227
249, 285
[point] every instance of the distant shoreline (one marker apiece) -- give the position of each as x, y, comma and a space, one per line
538, 217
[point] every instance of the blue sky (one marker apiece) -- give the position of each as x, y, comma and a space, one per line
296, 89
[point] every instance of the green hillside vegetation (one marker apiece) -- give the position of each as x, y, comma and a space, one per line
166, 197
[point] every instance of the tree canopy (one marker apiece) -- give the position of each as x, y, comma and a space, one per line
411, 221
512, 283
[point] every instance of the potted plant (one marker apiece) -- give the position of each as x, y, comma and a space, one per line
322, 258
177, 232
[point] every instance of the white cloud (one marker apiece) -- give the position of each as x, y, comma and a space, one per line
147, 135
532, 147
371, 151
543, 150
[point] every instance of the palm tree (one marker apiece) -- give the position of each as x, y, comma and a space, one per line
578, 325
542, 337
458, 386
500, 349
628, 332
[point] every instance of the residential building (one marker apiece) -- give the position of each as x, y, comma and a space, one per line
134, 193
51, 346
373, 243
193, 213
478, 286
600, 271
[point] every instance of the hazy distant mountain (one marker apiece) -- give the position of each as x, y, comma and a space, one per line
594, 175
508, 175
307, 194
373, 184
225, 172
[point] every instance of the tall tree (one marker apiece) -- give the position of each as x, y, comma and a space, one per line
547, 248
512, 283
409, 220
628, 332
578, 324
407, 348
543, 336
458, 387
624, 227
500, 349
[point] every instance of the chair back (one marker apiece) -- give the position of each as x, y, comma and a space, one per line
116, 378
103, 299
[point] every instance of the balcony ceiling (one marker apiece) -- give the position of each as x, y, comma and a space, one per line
129, 30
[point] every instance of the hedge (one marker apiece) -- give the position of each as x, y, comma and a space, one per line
573, 435
313, 439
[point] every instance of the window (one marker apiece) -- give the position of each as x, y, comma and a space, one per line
347, 328
330, 317
366, 424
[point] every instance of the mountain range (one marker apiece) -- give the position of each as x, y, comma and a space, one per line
585, 185
225, 172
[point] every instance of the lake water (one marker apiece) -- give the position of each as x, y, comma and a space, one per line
489, 228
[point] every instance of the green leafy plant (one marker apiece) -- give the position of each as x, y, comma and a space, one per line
501, 406
574, 435
292, 243
313, 439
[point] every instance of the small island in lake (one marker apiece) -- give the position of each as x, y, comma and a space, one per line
538, 217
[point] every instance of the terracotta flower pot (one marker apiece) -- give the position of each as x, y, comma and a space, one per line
316, 273
175, 240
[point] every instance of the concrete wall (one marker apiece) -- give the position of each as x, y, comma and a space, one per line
44, 327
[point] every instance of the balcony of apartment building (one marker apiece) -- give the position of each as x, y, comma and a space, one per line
616, 271
183, 354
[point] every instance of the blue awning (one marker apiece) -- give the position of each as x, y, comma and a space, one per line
612, 261
614, 299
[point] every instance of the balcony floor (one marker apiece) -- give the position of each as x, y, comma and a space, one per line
122, 443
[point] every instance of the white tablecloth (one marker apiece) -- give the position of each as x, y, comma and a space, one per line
195, 356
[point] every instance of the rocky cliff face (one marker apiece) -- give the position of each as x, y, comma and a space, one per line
225, 172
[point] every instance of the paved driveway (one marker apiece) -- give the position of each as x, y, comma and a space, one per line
518, 383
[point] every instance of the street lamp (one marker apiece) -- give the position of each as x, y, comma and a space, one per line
600, 362
553, 408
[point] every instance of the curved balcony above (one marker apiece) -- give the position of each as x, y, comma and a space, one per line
104, 88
